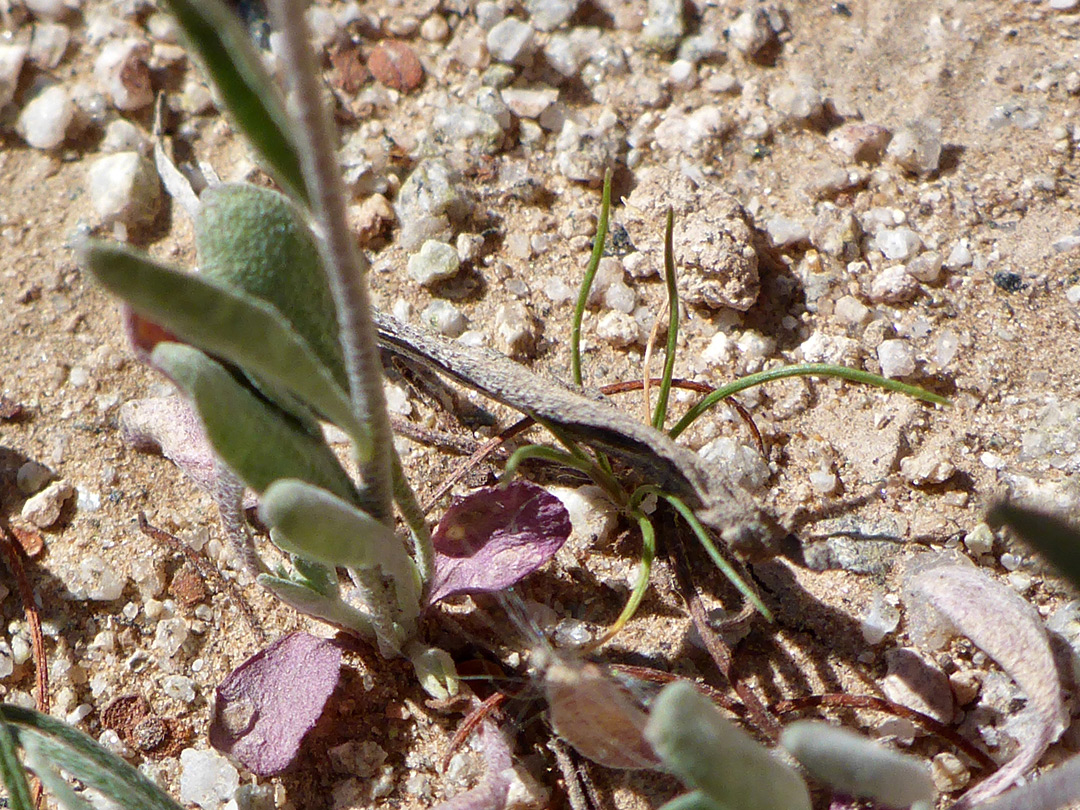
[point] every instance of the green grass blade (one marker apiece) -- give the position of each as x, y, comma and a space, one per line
259, 442
710, 548
413, 515
582, 464
648, 554
695, 800
250, 95
660, 414
1049, 534
12, 771
587, 282
806, 370
74, 752
225, 322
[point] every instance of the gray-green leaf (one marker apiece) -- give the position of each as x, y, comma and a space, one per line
712, 754
245, 331
257, 440
256, 240
315, 524
328, 608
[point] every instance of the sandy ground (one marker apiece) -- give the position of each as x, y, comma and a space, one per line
1002, 79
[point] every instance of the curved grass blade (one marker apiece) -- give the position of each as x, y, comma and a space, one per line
648, 554
806, 370
225, 322
660, 414
257, 441
587, 282
74, 752
710, 548
249, 93
580, 463
1052, 536
12, 771
320, 526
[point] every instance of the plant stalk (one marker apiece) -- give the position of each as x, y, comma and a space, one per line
346, 267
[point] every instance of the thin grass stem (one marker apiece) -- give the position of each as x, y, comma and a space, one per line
806, 370
660, 414
587, 282
648, 554
584, 465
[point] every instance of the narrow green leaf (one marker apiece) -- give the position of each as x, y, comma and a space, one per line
259, 442
12, 771
248, 332
660, 414
256, 240
587, 282
317, 577
806, 370
249, 93
315, 524
39, 763
694, 801
712, 754
328, 608
1051, 535
74, 752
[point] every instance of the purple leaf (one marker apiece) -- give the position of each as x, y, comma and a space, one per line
950, 598
267, 704
494, 537
491, 792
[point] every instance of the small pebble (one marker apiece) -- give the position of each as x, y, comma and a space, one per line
515, 329
435, 28
784, 232
930, 466
753, 36
893, 285
797, 101
898, 244
125, 188
852, 311
664, 25
435, 262
619, 329
882, 618
48, 45
123, 136
547, 15
44, 509
393, 63
592, 515
926, 267
32, 477
824, 482
122, 71
584, 153
531, 102
917, 146
897, 359
949, 772
914, 682
860, 141
511, 41
361, 758
45, 121
207, 779
444, 318
12, 57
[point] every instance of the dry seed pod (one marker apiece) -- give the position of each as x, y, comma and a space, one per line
594, 715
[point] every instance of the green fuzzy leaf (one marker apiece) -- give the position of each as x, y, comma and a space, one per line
435, 670
313, 523
328, 608
259, 442
694, 801
712, 754
246, 331
67, 748
62, 792
1051, 535
249, 93
256, 240
12, 772
853, 764
317, 577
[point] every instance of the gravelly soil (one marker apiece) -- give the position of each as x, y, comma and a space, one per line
1000, 76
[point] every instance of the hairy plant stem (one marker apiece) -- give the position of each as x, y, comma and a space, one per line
346, 267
